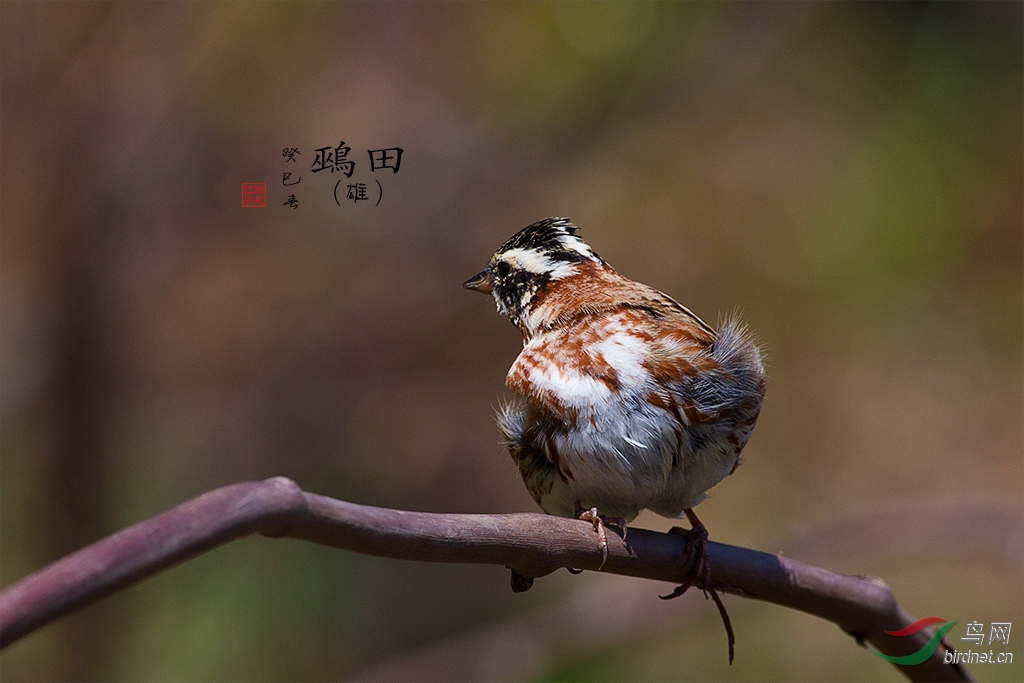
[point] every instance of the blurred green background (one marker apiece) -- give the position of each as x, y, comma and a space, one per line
847, 176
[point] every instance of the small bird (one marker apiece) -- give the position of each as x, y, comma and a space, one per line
628, 401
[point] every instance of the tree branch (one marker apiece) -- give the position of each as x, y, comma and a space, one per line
531, 545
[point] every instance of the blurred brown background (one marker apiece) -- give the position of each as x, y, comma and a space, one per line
847, 176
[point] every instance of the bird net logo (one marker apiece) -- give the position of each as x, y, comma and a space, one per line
998, 633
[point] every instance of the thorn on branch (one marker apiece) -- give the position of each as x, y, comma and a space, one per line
520, 583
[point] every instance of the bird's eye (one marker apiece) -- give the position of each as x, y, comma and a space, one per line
503, 268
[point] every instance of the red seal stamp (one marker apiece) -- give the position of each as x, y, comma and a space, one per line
254, 195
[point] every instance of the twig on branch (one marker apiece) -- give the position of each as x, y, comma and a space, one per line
531, 545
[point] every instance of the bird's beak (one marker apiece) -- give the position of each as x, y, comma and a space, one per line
479, 283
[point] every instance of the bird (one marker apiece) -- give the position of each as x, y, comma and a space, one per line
625, 399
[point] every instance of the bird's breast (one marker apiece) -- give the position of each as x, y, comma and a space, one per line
576, 369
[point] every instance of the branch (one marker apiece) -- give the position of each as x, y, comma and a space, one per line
531, 545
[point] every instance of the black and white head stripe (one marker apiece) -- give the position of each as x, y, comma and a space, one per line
553, 239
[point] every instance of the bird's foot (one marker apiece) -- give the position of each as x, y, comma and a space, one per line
697, 549
602, 537
599, 523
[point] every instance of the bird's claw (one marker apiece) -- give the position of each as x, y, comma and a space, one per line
602, 537
697, 547
599, 523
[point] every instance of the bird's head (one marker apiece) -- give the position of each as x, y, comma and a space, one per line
520, 269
